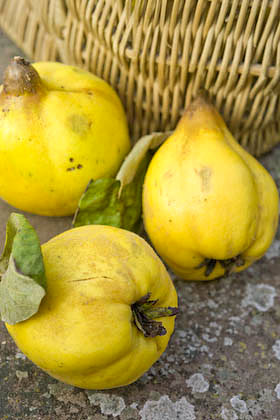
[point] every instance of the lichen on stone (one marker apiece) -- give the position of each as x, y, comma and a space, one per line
276, 349
165, 409
260, 296
274, 250
277, 390
21, 374
238, 404
228, 414
20, 355
198, 383
227, 341
110, 404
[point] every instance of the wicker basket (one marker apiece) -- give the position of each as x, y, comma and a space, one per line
157, 54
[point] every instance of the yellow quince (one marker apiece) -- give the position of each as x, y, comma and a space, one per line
60, 127
95, 327
209, 206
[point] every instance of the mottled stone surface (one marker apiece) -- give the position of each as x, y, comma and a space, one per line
223, 361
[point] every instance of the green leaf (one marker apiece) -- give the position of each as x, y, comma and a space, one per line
118, 201
23, 282
100, 204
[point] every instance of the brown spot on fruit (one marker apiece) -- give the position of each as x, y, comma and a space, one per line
205, 174
169, 174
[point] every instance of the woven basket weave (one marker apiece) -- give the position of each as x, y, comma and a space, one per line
158, 54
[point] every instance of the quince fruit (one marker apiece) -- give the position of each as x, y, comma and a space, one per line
95, 327
60, 127
209, 207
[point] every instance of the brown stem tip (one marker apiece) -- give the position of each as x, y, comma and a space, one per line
228, 265
145, 313
20, 78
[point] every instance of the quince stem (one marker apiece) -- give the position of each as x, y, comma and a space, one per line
145, 313
20, 77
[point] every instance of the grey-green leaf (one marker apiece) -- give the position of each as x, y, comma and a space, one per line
20, 295
23, 281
